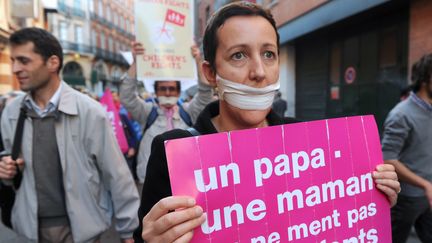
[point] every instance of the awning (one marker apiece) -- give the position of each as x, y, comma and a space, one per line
324, 15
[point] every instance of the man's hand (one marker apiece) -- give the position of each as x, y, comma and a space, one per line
196, 53
130, 240
161, 226
137, 49
8, 168
428, 193
131, 152
386, 180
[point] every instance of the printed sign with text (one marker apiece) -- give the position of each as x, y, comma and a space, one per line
302, 182
165, 28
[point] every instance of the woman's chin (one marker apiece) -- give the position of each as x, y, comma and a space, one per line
253, 118
247, 118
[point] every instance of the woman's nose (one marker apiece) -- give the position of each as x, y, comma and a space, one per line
257, 71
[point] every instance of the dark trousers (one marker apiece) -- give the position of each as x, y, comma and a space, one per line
408, 212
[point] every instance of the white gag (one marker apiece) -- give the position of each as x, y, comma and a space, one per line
246, 97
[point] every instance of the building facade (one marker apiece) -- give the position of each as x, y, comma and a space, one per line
348, 57
13, 16
352, 57
112, 31
92, 34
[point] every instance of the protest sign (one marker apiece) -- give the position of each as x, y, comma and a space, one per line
107, 102
166, 30
303, 182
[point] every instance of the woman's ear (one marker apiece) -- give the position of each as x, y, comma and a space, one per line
209, 73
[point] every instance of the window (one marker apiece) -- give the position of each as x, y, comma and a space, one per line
115, 18
128, 25
108, 13
100, 8
90, 5
63, 31
77, 4
93, 38
102, 40
110, 44
78, 34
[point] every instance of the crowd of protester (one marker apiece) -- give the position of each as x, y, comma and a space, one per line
70, 177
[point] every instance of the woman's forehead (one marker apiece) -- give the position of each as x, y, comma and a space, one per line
246, 30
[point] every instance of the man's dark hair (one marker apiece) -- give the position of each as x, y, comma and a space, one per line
156, 83
421, 72
44, 42
210, 41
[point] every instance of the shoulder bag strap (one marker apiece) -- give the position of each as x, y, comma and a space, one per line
16, 146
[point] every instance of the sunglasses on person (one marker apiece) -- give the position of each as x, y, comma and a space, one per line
166, 88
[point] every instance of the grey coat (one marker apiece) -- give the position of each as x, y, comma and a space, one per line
96, 179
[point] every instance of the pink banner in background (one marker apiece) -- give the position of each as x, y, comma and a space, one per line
113, 114
304, 182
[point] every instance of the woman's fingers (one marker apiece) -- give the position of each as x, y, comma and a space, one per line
171, 219
169, 204
389, 192
183, 232
386, 180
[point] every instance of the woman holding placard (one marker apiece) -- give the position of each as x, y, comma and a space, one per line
241, 50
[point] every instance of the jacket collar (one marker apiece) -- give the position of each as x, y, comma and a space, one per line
67, 103
205, 126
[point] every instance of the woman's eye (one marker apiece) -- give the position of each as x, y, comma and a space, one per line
238, 56
269, 55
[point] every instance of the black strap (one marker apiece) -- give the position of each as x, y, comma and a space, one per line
151, 118
193, 131
16, 146
1, 137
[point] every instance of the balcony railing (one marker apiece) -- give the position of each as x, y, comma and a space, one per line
68, 10
62, 7
109, 56
99, 53
77, 47
78, 12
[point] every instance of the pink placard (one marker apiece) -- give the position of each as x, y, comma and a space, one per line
107, 102
303, 182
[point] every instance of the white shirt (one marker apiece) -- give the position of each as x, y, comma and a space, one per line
52, 104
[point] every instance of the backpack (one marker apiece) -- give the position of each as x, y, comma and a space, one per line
154, 114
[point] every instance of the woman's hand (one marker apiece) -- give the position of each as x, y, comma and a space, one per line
386, 180
172, 219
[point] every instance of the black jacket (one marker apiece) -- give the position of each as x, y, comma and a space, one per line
157, 182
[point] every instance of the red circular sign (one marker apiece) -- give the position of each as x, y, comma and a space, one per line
350, 75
